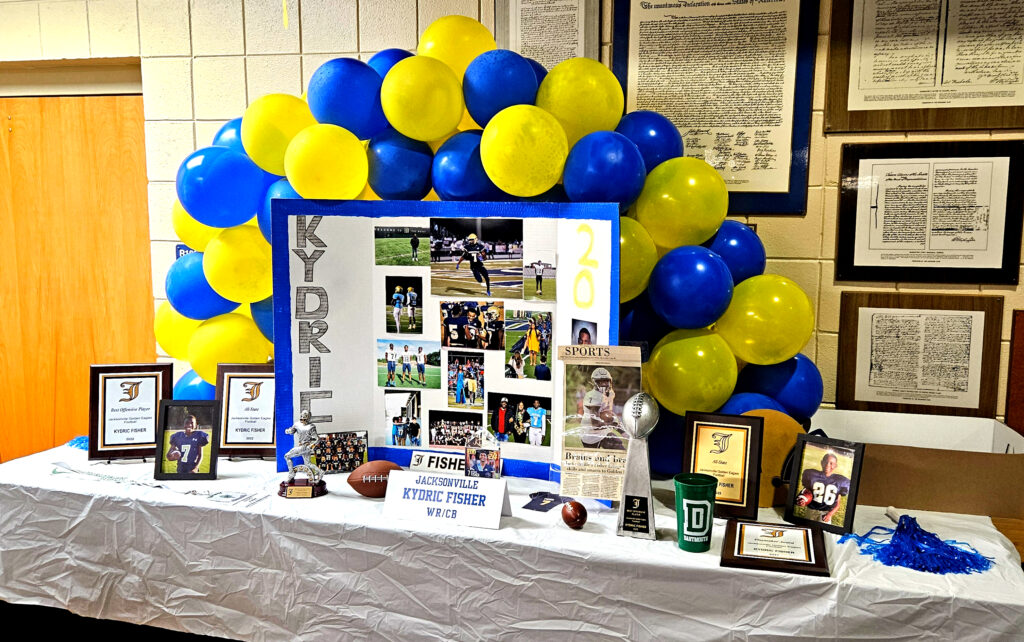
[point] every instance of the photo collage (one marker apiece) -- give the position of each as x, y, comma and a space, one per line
464, 323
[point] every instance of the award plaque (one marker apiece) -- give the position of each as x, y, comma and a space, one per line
774, 547
727, 447
246, 395
124, 408
636, 510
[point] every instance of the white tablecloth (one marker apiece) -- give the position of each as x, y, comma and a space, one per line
332, 567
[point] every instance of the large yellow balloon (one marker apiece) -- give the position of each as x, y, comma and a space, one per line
768, 320
637, 256
191, 232
683, 202
173, 330
228, 338
327, 161
269, 125
422, 98
237, 265
455, 41
523, 150
583, 95
691, 370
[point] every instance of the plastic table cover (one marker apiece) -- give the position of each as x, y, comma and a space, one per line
104, 541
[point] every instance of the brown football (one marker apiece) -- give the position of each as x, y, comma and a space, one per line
371, 479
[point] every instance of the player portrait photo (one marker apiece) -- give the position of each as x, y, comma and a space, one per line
465, 379
401, 245
341, 452
476, 257
481, 462
187, 443
584, 333
823, 488
528, 345
403, 305
519, 419
594, 397
454, 429
402, 418
473, 324
403, 363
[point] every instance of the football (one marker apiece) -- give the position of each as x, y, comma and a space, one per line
371, 479
804, 498
173, 455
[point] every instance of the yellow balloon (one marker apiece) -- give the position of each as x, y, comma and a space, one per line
768, 320
327, 161
422, 98
191, 232
228, 338
173, 330
467, 123
637, 256
683, 202
691, 370
368, 194
237, 265
269, 125
455, 41
431, 196
523, 150
583, 95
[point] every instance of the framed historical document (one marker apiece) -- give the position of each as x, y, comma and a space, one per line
187, 440
774, 547
727, 447
931, 212
246, 395
736, 79
549, 31
823, 485
919, 353
124, 408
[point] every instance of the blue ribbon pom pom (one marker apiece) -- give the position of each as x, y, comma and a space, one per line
910, 546
81, 443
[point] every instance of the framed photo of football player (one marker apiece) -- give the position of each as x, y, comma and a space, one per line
727, 447
823, 486
187, 440
124, 408
476, 257
246, 395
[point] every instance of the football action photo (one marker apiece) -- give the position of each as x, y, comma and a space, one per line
399, 245
476, 257
403, 305
408, 364
473, 324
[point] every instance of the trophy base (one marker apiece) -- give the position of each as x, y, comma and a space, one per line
302, 488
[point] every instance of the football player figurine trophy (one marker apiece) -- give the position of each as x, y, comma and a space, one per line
636, 511
305, 438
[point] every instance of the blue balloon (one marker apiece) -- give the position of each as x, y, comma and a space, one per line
230, 135
740, 248
654, 135
280, 189
399, 166
458, 174
639, 323
190, 293
495, 80
191, 387
665, 444
742, 402
346, 92
220, 187
383, 61
604, 167
796, 384
538, 70
690, 287
263, 315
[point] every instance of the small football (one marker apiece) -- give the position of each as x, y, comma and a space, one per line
371, 479
804, 498
173, 454
574, 514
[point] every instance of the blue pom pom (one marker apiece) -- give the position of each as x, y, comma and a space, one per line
81, 443
910, 546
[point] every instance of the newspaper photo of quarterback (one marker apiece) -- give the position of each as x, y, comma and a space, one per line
598, 400
491, 249
473, 324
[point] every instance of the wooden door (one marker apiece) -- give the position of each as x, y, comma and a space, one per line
75, 284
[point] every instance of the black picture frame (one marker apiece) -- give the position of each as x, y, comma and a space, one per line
796, 514
794, 200
101, 375
815, 562
207, 414
226, 372
698, 456
846, 268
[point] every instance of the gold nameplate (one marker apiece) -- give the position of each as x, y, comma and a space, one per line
299, 491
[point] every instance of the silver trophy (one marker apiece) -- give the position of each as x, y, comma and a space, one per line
636, 510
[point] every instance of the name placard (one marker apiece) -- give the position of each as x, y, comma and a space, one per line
465, 501
428, 462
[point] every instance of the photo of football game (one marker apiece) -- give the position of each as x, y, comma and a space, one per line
594, 397
403, 307
187, 437
825, 474
401, 245
522, 419
473, 324
476, 257
402, 418
408, 364
528, 345
465, 379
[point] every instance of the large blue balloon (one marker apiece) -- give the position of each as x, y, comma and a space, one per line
690, 287
191, 387
458, 174
638, 322
280, 189
383, 61
654, 135
220, 187
538, 70
346, 92
796, 384
665, 444
740, 248
495, 80
190, 293
742, 402
230, 135
263, 315
399, 166
604, 167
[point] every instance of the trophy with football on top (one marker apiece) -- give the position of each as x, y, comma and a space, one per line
636, 510
305, 439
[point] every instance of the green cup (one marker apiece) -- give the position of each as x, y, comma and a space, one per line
695, 510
